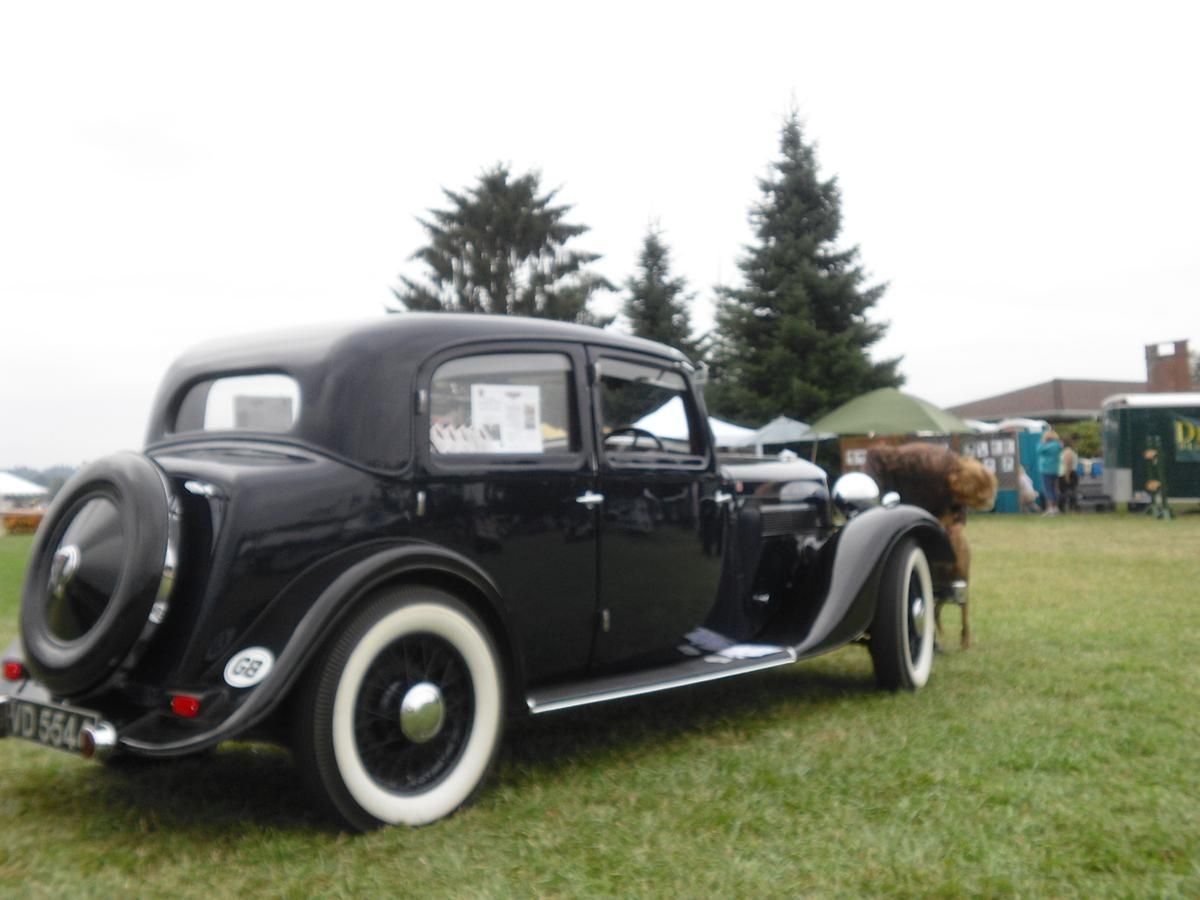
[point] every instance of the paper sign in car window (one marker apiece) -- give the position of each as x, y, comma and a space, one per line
509, 416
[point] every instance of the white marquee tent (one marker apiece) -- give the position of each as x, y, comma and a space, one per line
782, 430
19, 488
669, 422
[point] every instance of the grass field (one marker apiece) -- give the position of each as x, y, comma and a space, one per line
1058, 757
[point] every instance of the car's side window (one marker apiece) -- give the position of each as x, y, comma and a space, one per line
504, 403
645, 409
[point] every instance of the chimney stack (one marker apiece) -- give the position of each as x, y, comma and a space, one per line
1167, 367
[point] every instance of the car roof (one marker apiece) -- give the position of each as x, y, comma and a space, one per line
350, 373
418, 332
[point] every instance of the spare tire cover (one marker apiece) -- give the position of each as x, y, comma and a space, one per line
101, 563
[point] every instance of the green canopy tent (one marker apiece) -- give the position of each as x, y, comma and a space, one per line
888, 411
888, 416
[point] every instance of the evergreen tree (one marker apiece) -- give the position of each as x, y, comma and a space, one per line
501, 248
794, 339
657, 305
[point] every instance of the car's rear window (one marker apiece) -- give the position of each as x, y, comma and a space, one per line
269, 402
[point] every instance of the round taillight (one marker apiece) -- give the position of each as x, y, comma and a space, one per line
14, 670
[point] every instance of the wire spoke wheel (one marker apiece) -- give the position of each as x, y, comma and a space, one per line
401, 720
395, 757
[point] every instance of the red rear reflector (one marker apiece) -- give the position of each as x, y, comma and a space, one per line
185, 707
14, 670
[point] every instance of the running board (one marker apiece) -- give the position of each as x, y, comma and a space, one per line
737, 659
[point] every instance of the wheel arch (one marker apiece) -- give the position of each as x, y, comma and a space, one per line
403, 566
860, 553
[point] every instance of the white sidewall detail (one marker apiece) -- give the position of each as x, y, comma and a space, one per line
458, 784
919, 668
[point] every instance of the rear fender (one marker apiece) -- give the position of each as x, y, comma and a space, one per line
412, 562
408, 562
860, 551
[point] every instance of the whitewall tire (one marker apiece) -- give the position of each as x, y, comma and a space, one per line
902, 632
403, 717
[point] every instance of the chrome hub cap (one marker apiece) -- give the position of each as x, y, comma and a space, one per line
62, 569
919, 608
422, 712
918, 615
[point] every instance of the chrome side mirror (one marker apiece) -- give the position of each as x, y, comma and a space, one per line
854, 492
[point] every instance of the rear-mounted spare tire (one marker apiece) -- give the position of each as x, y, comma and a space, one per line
101, 573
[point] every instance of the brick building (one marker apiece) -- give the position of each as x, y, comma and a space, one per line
1065, 400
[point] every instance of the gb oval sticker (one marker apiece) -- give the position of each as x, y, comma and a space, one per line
248, 667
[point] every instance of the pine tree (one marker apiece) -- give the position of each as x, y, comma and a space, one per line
657, 305
501, 248
794, 339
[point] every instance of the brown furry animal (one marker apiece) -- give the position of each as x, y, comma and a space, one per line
946, 485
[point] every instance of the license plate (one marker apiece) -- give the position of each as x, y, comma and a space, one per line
52, 726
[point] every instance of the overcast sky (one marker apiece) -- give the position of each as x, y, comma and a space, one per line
1025, 177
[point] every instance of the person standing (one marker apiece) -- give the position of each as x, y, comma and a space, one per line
1049, 454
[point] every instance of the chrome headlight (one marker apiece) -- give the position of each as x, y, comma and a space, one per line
854, 492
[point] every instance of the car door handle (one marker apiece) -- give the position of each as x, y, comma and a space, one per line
590, 499
722, 499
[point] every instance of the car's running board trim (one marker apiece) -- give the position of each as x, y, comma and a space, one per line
692, 671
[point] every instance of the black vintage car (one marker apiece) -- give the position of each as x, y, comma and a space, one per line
376, 543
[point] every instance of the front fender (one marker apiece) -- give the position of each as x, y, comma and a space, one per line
860, 551
314, 628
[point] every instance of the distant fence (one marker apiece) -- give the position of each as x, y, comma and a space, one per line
21, 521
